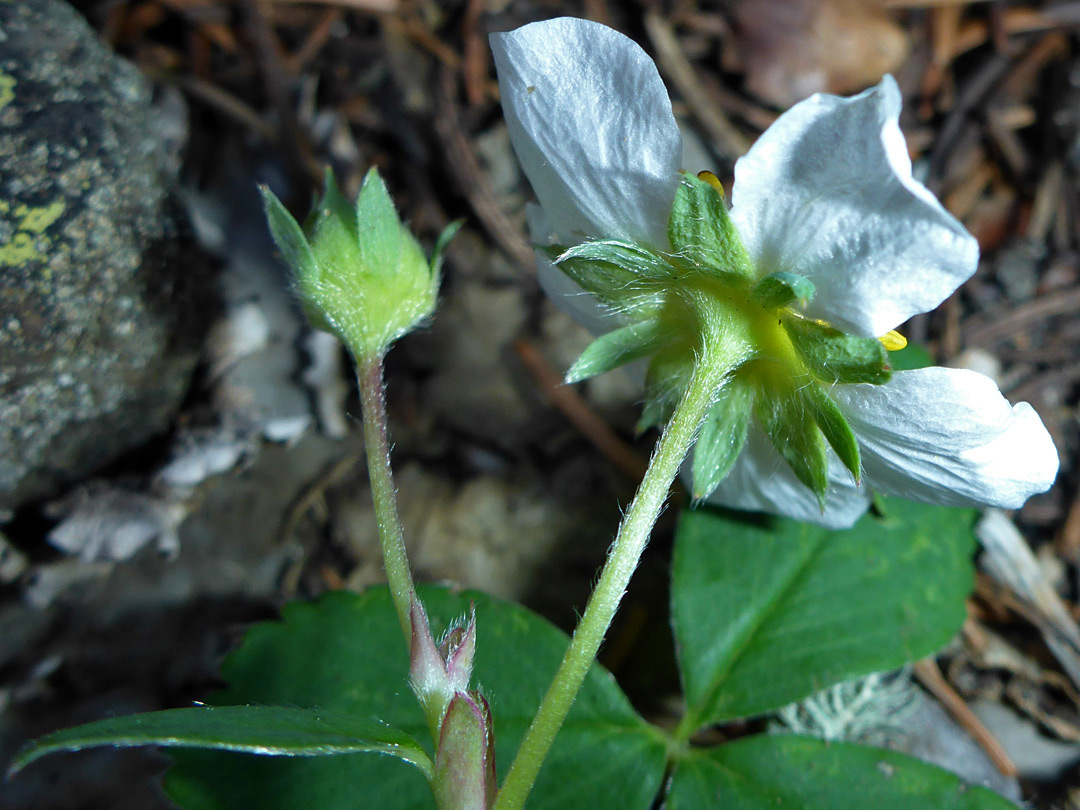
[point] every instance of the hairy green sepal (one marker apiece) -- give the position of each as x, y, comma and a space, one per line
833, 425
794, 433
359, 271
666, 380
702, 234
623, 276
722, 437
617, 348
782, 289
834, 356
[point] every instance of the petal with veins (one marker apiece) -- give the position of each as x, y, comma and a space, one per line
591, 123
827, 192
948, 436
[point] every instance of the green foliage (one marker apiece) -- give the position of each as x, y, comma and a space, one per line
268, 730
769, 612
765, 613
345, 654
801, 773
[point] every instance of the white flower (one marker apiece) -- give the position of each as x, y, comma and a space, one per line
827, 194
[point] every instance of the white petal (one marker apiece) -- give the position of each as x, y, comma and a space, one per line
827, 192
948, 436
591, 123
762, 481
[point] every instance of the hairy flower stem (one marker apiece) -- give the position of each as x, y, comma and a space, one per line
391, 536
622, 560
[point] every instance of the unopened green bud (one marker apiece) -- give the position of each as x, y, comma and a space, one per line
359, 271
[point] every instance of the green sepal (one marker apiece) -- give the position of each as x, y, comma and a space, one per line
634, 259
666, 380
834, 356
722, 437
702, 234
384, 238
289, 237
296, 250
334, 232
781, 289
796, 436
622, 275
438, 252
617, 348
654, 413
834, 427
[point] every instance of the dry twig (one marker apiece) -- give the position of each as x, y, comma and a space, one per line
725, 137
930, 677
573, 407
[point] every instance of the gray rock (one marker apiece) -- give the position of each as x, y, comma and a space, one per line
102, 301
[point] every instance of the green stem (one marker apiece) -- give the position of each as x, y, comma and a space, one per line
391, 536
622, 560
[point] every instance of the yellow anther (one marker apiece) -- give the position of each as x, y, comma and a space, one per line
893, 340
712, 180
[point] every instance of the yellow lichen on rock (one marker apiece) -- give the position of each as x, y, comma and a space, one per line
7, 89
36, 220
29, 242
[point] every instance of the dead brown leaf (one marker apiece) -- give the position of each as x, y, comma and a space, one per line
793, 48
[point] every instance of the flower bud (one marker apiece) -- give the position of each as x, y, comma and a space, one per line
438, 672
465, 760
359, 271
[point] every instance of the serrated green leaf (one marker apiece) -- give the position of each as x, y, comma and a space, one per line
795, 435
834, 427
702, 234
770, 612
802, 773
780, 289
289, 237
267, 730
617, 348
345, 654
379, 232
835, 356
722, 437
